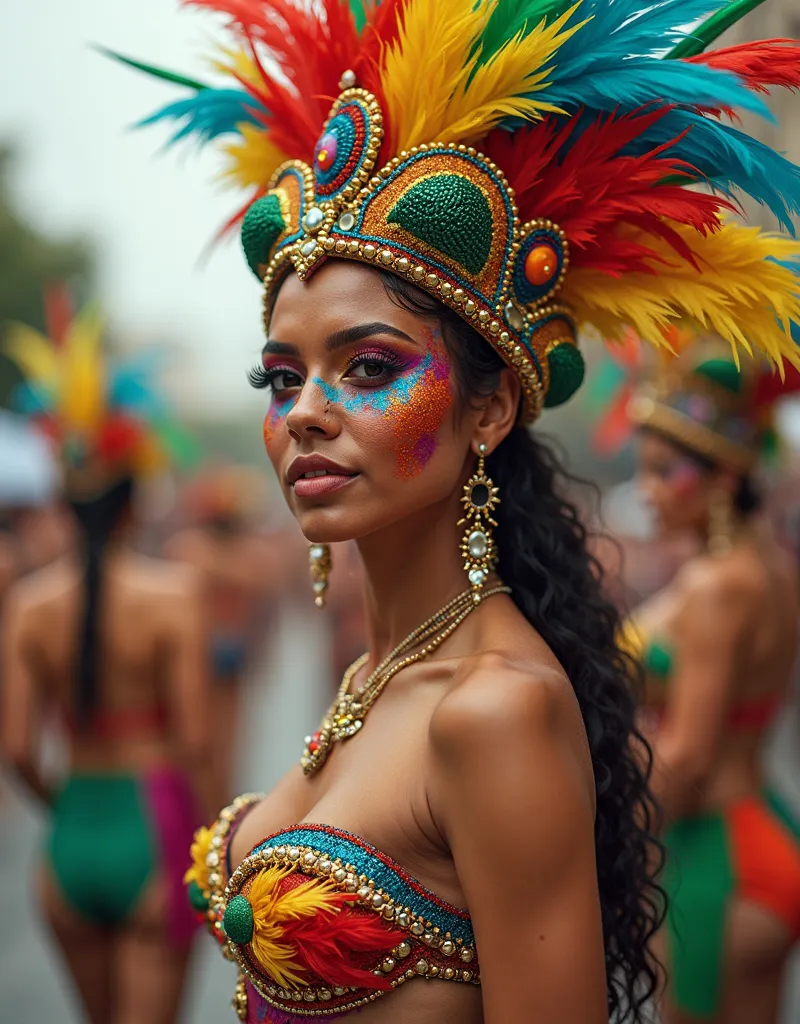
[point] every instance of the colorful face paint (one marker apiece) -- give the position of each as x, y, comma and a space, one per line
684, 477
278, 411
415, 404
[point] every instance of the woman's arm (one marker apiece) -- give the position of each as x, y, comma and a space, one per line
512, 793
19, 707
709, 634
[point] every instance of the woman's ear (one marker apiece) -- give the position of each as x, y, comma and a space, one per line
499, 412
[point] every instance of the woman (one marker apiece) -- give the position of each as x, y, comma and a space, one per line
721, 645
112, 644
473, 810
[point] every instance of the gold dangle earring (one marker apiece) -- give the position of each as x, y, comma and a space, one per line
320, 563
721, 524
480, 498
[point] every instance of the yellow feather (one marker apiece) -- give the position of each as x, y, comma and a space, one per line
498, 88
428, 64
34, 354
271, 909
239, 65
83, 384
740, 293
252, 159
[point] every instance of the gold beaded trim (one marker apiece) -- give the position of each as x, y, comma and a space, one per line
645, 411
345, 878
215, 860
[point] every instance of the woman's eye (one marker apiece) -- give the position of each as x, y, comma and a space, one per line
368, 369
283, 380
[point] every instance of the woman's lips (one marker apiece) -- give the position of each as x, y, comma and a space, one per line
313, 487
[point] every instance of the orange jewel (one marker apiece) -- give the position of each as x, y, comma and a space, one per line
541, 264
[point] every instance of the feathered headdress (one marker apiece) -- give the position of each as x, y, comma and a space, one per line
526, 161
703, 401
96, 410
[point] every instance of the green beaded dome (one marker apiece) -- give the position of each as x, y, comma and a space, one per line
238, 920
567, 370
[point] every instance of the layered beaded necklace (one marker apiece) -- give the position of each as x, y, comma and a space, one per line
348, 711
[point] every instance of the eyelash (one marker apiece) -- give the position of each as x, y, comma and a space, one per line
262, 377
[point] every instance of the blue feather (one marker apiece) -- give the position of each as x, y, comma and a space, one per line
31, 399
209, 114
625, 28
730, 158
131, 386
608, 83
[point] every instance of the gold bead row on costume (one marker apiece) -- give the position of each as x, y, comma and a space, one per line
478, 546
348, 711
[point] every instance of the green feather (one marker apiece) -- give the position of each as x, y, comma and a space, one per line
510, 17
154, 72
359, 11
704, 35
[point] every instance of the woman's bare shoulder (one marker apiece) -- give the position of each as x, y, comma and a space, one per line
498, 704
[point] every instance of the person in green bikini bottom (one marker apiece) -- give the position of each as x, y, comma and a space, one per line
718, 645
112, 644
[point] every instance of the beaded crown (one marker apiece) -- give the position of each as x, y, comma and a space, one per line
98, 411
525, 161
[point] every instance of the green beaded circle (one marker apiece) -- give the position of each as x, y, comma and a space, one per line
567, 370
238, 921
262, 226
198, 901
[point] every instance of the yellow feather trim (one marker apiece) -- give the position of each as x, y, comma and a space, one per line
252, 158
428, 64
739, 293
239, 65
272, 909
198, 872
33, 353
500, 87
435, 90
82, 385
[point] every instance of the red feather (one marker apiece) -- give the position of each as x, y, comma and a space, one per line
769, 386
591, 189
762, 64
313, 46
58, 312
118, 438
614, 429
329, 944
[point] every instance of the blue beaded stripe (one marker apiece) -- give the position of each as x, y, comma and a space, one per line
443, 151
386, 874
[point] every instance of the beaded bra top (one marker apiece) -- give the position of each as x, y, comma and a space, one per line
320, 922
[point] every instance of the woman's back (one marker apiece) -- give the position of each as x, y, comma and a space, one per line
149, 645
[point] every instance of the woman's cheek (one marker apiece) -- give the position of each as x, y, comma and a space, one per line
417, 413
274, 421
684, 480
412, 408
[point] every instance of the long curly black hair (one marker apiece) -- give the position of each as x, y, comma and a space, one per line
558, 586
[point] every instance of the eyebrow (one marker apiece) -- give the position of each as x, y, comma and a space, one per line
347, 336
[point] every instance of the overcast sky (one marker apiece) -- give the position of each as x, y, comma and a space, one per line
150, 213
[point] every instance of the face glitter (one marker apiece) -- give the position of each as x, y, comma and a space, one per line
415, 404
278, 411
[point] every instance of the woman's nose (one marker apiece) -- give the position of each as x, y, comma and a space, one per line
312, 414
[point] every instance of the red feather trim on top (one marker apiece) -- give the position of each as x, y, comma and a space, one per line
312, 47
594, 193
766, 63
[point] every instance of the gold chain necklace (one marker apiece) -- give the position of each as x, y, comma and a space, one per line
348, 711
